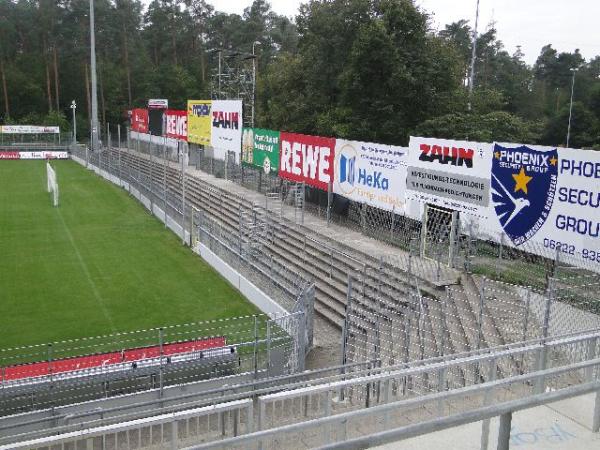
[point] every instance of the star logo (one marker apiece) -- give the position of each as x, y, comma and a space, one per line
521, 181
553, 161
497, 155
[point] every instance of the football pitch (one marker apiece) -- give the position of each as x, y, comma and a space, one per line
98, 263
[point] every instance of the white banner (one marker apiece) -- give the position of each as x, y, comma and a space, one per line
226, 131
28, 129
44, 155
450, 174
546, 196
369, 173
157, 140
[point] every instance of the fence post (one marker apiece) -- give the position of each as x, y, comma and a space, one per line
480, 322
268, 348
504, 431
485, 425
329, 195
164, 146
596, 419
160, 374
393, 223
182, 196
119, 150
256, 349
542, 361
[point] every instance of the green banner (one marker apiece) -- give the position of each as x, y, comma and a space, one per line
260, 148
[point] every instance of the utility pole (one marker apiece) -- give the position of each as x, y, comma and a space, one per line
473, 57
571, 107
94, 79
254, 81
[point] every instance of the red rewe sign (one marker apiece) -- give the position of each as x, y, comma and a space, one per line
10, 155
176, 124
139, 120
454, 156
307, 159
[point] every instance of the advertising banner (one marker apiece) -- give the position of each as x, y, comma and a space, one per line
369, 173
139, 120
450, 174
307, 159
35, 155
226, 131
199, 121
9, 155
176, 124
28, 129
547, 196
158, 103
260, 148
44, 155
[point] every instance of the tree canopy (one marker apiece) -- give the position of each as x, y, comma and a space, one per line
361, 69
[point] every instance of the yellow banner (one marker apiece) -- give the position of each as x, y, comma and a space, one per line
199, 121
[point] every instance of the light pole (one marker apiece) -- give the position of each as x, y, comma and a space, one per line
94, 79
254, 80
571, 107
473, 56
74, 108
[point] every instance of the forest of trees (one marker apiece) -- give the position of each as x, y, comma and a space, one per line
359, 69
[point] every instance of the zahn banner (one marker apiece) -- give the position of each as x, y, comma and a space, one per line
450, 174
226, 132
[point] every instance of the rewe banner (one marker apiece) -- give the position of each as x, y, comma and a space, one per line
308, 159
369, 173
226, 127
176, 124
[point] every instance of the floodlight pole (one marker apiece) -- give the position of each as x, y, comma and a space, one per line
94, 79
73, 108
473, 57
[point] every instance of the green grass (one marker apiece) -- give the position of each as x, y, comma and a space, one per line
97, 264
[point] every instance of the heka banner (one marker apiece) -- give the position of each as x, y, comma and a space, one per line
176, 124
29, 129
226, 130
451, 174
199, 121
369, 173
139, 120
308, 159
260, 148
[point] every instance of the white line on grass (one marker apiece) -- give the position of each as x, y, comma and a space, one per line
86, 271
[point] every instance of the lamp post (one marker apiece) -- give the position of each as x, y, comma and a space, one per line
571, 106
473, 57
254, 80
74, 108
94, 80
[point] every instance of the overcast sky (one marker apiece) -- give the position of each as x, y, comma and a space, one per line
566, 24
